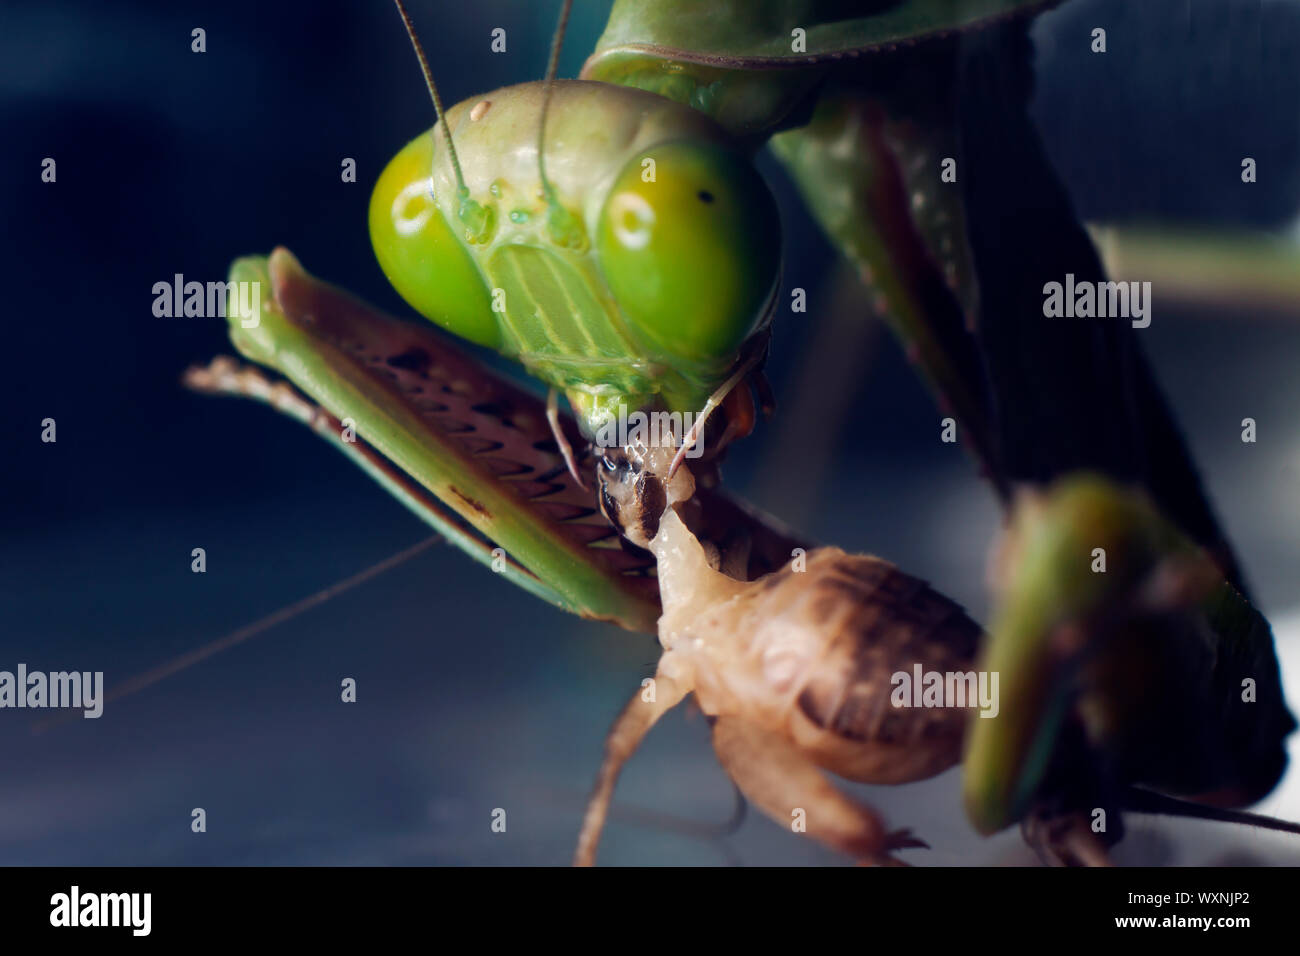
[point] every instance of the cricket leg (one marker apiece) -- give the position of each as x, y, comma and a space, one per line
775, 775
625, 736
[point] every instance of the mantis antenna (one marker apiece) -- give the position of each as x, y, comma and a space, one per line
433, 91
552, 67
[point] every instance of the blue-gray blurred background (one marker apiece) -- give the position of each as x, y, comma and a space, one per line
472, 695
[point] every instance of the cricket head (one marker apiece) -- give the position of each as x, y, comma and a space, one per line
635, 487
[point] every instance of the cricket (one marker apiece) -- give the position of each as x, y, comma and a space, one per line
612, 237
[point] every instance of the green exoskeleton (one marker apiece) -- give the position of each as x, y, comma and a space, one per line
613, 236
1126, 659
620, 245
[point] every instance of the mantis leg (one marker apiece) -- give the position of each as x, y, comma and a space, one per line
561, 441
775, 775
856, 186
624, 737
719, 395
1066, 840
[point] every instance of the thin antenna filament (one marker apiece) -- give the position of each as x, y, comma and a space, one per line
552, 67
433, 92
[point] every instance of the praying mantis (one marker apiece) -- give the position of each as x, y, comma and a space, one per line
611, 235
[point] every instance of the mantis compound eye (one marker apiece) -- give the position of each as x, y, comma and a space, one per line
692, 254
420, 254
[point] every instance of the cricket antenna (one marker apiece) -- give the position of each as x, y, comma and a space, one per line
552, 67
433, 92
184, 661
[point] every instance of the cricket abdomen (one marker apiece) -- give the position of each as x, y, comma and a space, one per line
879, 622
814, 653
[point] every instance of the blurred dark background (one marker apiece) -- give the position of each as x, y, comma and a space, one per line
471, 695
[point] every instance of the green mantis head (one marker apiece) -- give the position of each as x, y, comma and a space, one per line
630, 273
